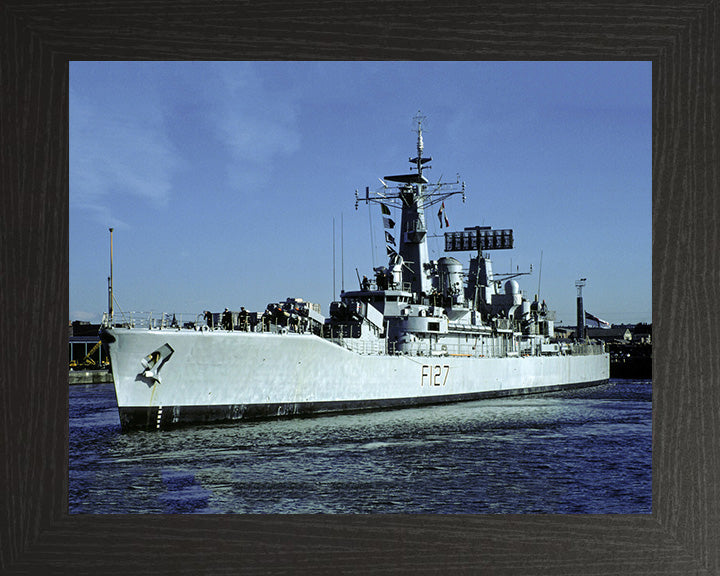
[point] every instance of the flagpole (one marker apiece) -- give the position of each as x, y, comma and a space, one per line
333, 242
111, 311
539, 273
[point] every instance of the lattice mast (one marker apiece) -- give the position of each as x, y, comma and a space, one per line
413, 194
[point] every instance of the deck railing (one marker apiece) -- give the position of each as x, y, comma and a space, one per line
346, 335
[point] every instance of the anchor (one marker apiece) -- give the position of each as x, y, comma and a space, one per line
155, 360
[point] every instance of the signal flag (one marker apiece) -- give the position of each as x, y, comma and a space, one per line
443, 215
599, 321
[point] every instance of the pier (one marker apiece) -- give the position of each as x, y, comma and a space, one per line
88, 361
101, 376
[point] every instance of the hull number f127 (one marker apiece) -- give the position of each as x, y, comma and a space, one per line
434, 374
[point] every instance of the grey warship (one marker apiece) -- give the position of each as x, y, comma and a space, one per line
416, 332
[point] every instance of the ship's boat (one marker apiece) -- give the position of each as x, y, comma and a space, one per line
417, 332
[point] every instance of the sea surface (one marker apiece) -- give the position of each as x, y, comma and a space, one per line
584, 451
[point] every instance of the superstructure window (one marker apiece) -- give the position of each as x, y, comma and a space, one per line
433, 326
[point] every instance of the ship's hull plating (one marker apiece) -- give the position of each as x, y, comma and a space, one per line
220, 376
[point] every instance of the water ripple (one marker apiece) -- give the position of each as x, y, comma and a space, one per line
582, 451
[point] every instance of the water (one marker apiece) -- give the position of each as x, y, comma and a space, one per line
582, 451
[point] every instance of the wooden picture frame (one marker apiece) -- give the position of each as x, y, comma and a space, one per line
37, 535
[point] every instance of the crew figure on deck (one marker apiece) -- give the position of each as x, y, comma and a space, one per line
227, 319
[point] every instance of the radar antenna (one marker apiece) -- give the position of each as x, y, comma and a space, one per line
419, 160
429, 194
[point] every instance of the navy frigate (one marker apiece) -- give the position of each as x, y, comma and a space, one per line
416, 332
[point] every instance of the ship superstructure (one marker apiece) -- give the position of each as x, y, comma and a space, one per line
418, 331
431, 307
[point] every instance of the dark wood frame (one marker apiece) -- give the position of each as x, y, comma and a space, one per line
681, 536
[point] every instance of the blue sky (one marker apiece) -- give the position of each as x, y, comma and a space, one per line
221, 180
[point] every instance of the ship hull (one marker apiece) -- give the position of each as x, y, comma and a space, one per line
219, 376
165, 417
